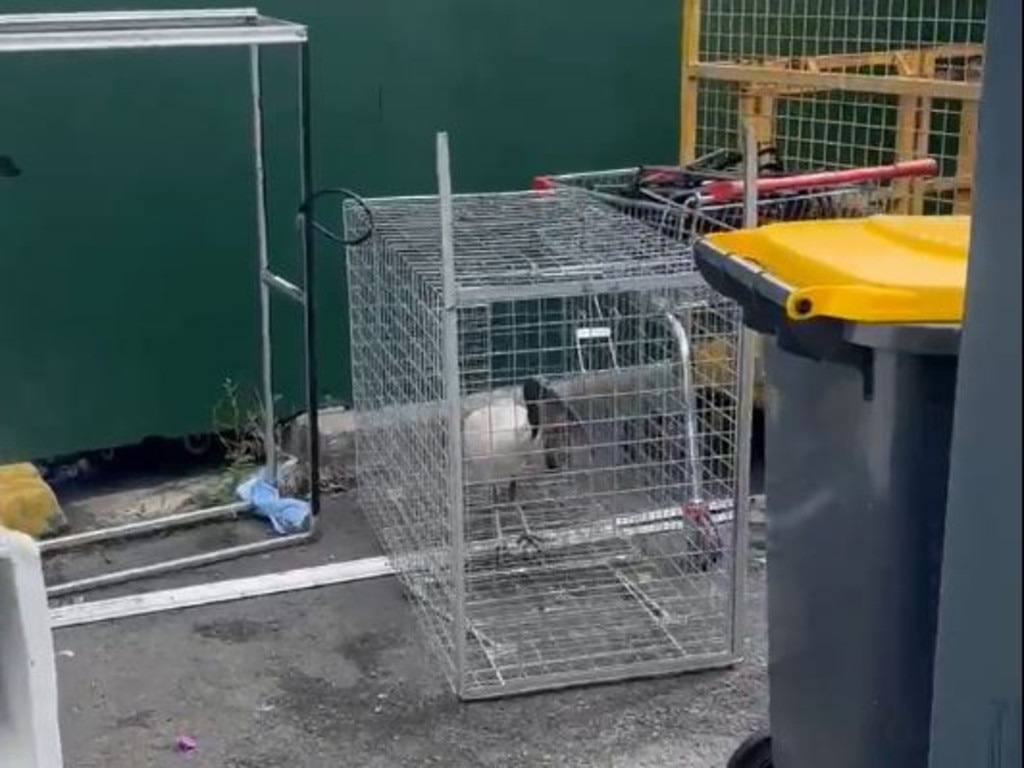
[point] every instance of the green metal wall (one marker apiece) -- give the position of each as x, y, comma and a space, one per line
127, 282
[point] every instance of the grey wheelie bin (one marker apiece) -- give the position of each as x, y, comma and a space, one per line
865, 317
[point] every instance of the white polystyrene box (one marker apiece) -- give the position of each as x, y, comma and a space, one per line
29, 730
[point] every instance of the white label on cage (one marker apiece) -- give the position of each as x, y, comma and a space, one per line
642, 521
653, 515
588, 334
668, 525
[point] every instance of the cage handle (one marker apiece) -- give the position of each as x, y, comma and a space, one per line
728, 190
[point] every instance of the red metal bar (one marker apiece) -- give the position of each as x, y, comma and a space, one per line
729, 190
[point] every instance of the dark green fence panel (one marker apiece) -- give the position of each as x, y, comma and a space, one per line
127, 279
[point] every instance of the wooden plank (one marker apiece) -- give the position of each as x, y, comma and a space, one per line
837, 81
963, 195
218, 592
690, 53
962, 184
926, 65
906, 145
842, 61
908, 121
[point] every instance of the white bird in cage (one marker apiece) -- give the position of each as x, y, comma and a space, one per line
500, 438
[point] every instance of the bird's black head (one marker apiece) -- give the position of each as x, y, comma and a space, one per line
546, 410
533, 393
545, 407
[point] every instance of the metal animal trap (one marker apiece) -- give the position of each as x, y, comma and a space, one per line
604, 560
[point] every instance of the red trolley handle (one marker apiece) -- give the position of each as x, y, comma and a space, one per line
727, 190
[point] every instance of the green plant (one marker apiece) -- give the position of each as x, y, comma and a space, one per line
238, 423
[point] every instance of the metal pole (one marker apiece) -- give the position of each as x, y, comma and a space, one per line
744, 418
976, 715
309, 277
145, 527
171, 566
267, 363
452, 393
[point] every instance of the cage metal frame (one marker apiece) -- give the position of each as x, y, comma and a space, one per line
453, 294
32, 33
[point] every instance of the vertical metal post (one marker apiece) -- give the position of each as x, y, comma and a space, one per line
744, 416
267, 362
309, 277
453, 396
976, 713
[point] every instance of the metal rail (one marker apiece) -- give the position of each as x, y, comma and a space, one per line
122, 30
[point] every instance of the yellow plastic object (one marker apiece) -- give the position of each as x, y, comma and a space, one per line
880, 269
27, 503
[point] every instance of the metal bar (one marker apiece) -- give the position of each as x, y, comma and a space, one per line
269, 280
744, 421
263, 259
452, 392
228, 590
309, 277
143, 527
751, 186
179, 564
68, 22
625, 526
128, 39
469, 295
837, 81
654, 611
610, 675
693, 451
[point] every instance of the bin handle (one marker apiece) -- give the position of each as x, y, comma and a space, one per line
834, 301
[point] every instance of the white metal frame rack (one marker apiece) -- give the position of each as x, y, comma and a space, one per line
186, 29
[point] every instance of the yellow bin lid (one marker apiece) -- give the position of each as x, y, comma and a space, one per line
879, 269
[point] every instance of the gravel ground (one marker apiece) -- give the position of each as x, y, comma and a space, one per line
340, 677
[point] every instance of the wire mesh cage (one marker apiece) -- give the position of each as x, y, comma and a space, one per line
689, 202
552, 515
840, 85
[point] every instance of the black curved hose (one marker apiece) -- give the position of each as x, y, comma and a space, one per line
306, 210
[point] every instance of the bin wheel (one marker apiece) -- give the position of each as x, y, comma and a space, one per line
754, 752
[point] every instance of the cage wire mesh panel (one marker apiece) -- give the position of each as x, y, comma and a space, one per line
584, 549
675, 205
841, 84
